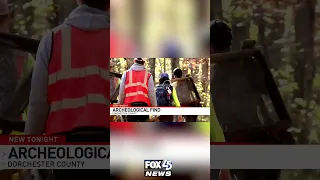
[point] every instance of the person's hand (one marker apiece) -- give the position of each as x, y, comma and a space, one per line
225, 175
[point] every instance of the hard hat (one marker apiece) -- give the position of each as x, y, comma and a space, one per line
164, 75
139, 59
4, 7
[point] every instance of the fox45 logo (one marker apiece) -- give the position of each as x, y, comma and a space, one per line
157, 168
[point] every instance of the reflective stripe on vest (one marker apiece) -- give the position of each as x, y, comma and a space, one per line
81, 72
137, 93
79, 102
135, 90
143, 84
67, 72
73, 100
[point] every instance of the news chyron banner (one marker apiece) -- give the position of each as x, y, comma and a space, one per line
51, 152
127, 110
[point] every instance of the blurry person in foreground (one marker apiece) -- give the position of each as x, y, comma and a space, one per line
8, 66
70, 87
137, 89
11, 62
121, 44
220, 41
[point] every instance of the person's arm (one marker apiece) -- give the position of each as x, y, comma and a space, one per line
38, 104
122, 95
152, 92
217, 134
175, 98
8, 80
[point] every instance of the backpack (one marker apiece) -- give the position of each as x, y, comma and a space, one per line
163, 94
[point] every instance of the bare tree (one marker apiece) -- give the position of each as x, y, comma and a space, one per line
216, 9
304, 59
152, 63
240, 26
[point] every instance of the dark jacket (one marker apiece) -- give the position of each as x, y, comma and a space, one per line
8, 78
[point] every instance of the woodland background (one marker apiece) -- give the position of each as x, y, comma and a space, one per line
289, 32
198, 69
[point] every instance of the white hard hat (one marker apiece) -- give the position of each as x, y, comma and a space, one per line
4, 7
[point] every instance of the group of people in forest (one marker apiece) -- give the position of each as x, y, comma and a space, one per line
143, 92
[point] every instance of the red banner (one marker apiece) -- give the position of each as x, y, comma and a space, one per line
42, 140
118, 105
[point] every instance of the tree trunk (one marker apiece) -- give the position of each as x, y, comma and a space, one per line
174, 64
185, 62
205, 75
278, 26
216, 9
56, 20
305, 62
261, 23
196, 70
129, 62
240, 28
152, 63
191, 67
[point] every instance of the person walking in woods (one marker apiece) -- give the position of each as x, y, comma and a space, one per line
11, 62
216, 132
8, 66
70, 82
166, 96
184, 93
137, 89
221, 42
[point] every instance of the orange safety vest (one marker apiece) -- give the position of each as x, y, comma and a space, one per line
136, 87
78, 80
